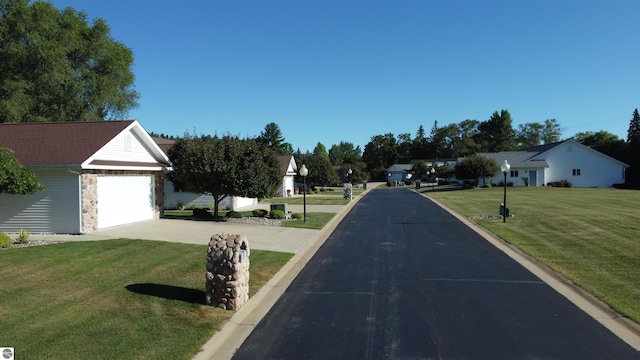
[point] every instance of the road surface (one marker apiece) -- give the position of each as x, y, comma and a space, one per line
400, 278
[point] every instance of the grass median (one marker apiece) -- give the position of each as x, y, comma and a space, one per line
590, 236
113, 299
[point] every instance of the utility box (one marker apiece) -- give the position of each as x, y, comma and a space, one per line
503, 212
282, 207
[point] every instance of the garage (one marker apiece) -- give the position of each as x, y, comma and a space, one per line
124, 199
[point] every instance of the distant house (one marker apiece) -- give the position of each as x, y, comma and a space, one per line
566, 160
97, 175
539, 165
289, 170
399, 172
175, 197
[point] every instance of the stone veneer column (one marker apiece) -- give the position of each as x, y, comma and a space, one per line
89, 202
227, 285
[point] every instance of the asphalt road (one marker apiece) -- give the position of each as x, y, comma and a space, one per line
400, 278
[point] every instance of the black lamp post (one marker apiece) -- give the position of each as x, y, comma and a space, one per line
505, 167
433, 185
304, 172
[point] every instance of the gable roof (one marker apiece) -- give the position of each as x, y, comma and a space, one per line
531, 157
67, 143
285, 162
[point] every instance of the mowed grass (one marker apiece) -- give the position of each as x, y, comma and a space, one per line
114, 299
590, 236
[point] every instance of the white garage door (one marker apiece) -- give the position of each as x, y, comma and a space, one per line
124, 200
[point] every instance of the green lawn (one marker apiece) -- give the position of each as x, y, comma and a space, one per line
590, 236
114, 299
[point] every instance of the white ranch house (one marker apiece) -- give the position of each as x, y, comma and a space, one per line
539, 165
566, 160
97, 175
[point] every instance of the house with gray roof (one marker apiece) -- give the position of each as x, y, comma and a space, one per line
565, 160
97, 175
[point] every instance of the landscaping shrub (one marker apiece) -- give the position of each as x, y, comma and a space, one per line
5, 241
23, 236
561, 183
297, 216
259, 212
201, 213
277, 214
487, 185
233, 215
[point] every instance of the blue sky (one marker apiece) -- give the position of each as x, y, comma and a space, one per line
339, 70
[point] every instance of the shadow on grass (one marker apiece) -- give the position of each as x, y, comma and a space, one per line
169, 292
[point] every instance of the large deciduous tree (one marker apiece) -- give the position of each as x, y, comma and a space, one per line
380, 153
345, 152
55, 66
476, 167
227, 166
320, 170
15, 179
497, 133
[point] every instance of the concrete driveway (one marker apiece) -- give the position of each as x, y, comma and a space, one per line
261, 237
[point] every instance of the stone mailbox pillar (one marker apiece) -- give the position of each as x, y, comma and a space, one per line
227, 285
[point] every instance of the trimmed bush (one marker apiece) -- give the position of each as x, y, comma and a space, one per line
233, 215
562, 183
201, 213
487, 185
277, 214
260, 212
297, 216
5, 241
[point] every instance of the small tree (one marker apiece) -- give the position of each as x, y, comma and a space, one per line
14, 177
476, 167
420, 169
226, 166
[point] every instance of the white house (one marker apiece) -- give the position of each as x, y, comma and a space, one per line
566, 160
399, 172
289, 169
97, 175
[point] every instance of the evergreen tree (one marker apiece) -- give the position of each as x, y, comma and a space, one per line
634, 127
272, 137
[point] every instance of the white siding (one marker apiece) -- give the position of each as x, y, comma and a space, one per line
596, 169
55, 210
125, 147
124, 199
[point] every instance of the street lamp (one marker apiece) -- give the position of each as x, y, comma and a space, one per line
505, 167
350, 185
433, 185
304, 172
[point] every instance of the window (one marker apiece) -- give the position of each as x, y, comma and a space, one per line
576, 172
514, 173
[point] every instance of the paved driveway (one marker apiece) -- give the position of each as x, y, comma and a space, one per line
273, 238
